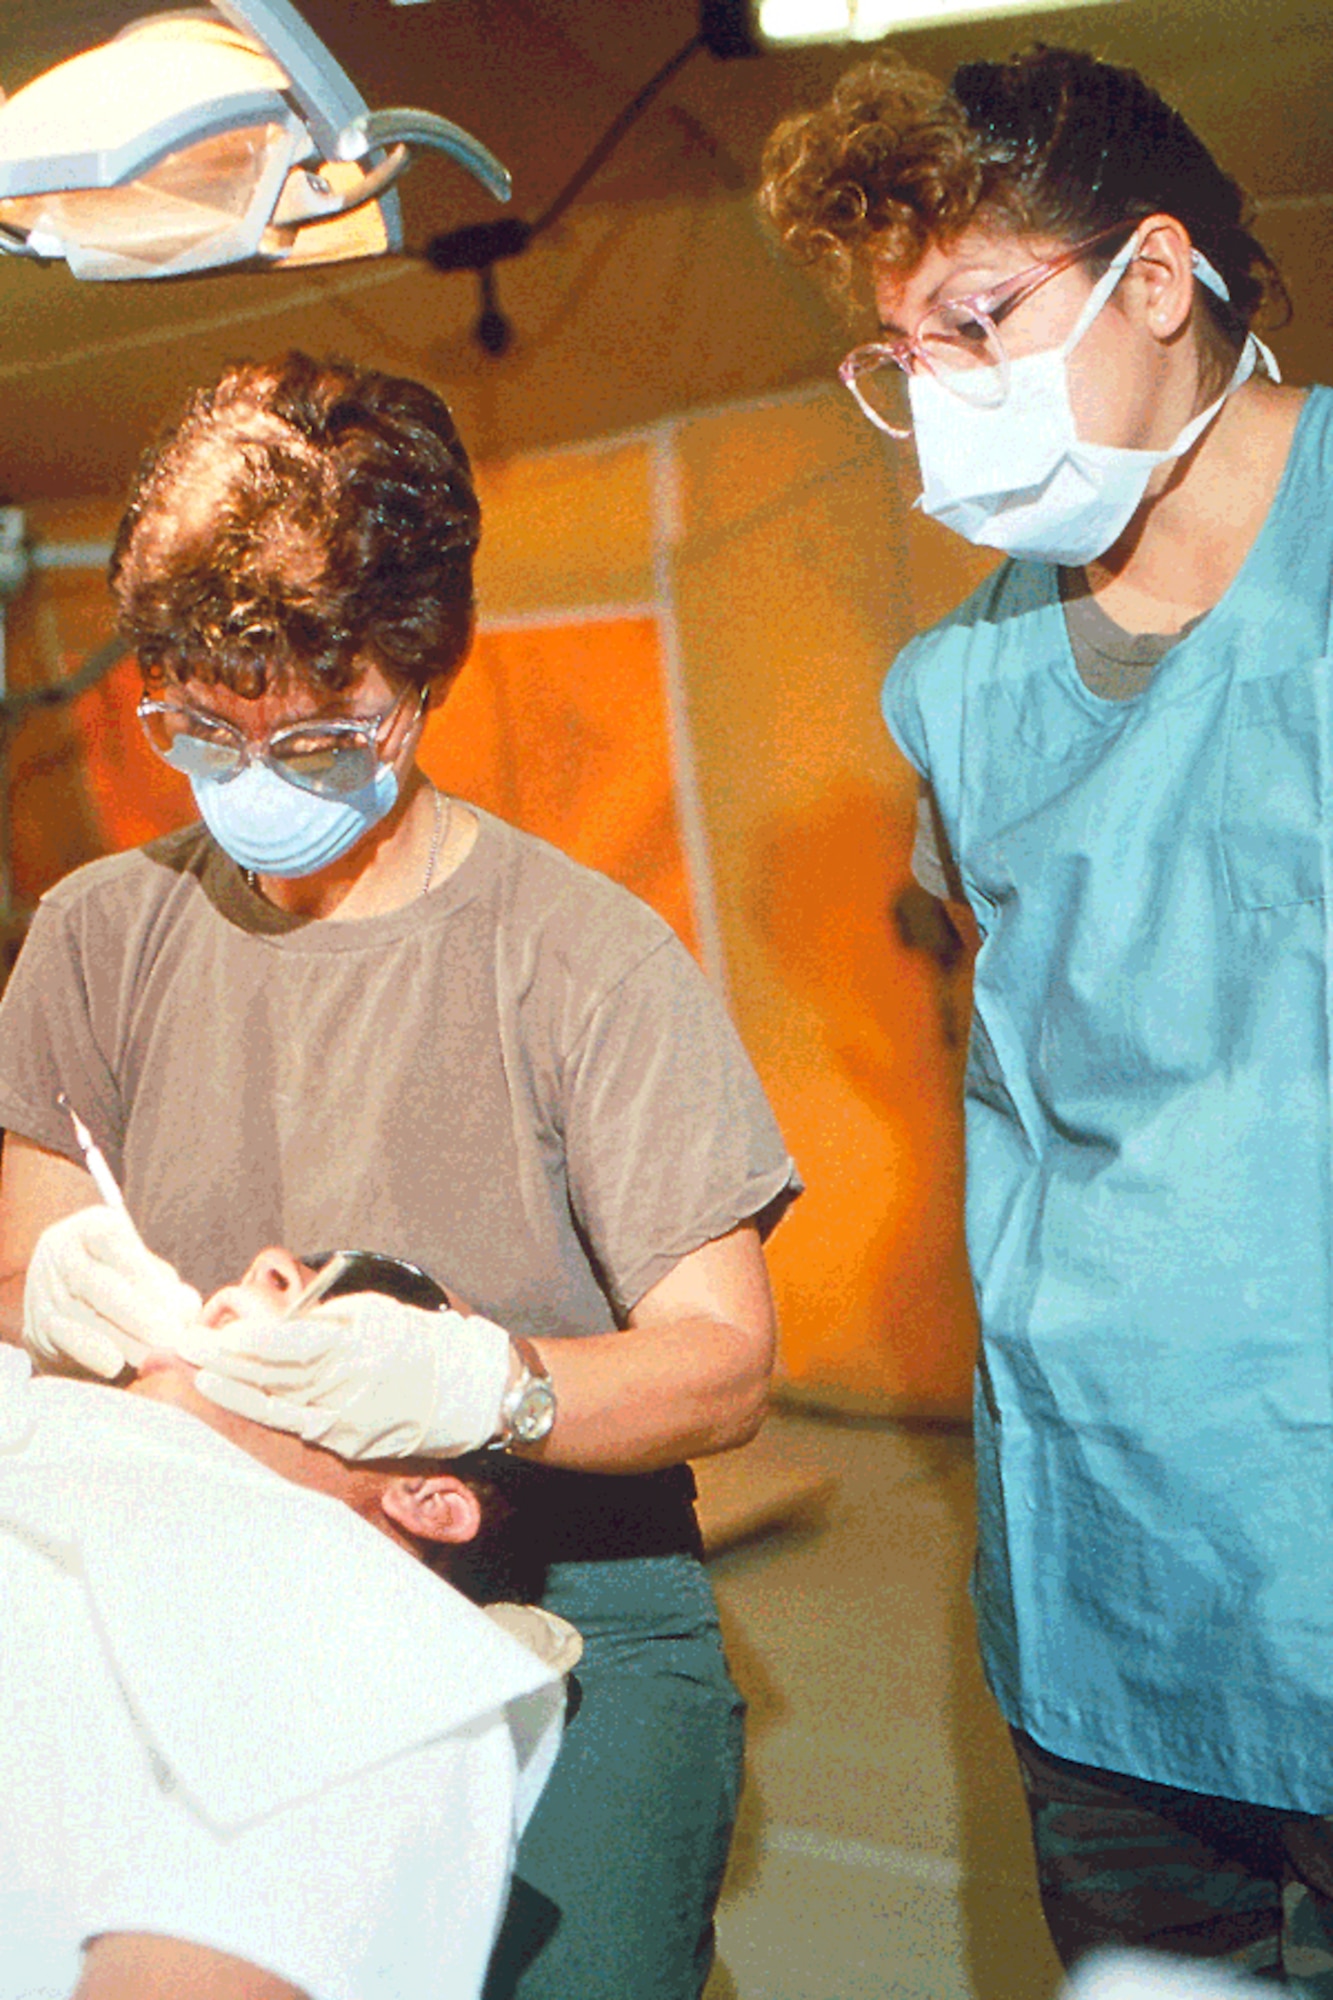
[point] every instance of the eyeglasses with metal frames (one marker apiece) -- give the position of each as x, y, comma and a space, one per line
958, 341
334, 757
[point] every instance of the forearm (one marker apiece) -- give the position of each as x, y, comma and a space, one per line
369, 1377
650, 1396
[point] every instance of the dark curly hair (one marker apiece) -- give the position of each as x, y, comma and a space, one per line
1053, 142
301, 517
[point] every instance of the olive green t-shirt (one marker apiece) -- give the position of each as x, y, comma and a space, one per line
521, 1082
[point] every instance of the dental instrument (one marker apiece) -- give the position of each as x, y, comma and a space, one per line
93, 1155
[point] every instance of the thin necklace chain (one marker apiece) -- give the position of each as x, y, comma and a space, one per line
436, 831
443, 821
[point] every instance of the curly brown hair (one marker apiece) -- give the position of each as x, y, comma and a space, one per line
877, 173
301, 518
1052, 142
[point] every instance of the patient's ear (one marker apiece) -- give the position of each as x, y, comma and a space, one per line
435, 1506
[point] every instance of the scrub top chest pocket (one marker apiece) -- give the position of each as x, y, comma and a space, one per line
1276, 788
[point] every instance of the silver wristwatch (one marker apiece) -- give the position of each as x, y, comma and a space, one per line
528, 1410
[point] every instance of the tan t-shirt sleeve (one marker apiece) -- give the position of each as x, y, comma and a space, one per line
49, 1043
669, 1140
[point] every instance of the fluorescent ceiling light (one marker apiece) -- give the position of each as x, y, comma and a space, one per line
226, 135
787, 22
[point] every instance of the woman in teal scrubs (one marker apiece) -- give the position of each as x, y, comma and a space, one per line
1125, 743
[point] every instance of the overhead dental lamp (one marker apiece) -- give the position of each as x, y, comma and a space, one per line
196, 140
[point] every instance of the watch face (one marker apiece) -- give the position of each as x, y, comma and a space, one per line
535, 1413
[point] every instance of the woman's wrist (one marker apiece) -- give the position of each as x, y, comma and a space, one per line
528, 1408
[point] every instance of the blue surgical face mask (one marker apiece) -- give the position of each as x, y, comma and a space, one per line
278, 829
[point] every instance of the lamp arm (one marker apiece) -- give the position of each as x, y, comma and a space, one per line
372, 129
328, 98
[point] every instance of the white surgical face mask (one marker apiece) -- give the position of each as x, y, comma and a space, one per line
1019, 478
278, 829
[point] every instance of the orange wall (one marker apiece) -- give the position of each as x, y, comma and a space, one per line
795, 589
563, 730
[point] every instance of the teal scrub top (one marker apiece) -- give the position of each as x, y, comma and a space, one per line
1150, 1179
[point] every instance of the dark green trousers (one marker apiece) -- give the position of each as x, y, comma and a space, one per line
1124, 1861
620, 1867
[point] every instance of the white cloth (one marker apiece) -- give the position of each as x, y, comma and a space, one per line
1150, 1975
235, 1713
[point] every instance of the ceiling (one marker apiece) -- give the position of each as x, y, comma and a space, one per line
658, 291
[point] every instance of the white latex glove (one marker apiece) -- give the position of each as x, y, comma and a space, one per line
365, 1376
96, 1297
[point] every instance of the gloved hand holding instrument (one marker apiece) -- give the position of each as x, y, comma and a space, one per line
96, 1298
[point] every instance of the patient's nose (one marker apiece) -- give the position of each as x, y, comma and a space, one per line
277, 1274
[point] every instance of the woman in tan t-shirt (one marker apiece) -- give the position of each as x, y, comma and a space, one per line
348, 1009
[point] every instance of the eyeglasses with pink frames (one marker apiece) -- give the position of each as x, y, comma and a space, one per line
958, 341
